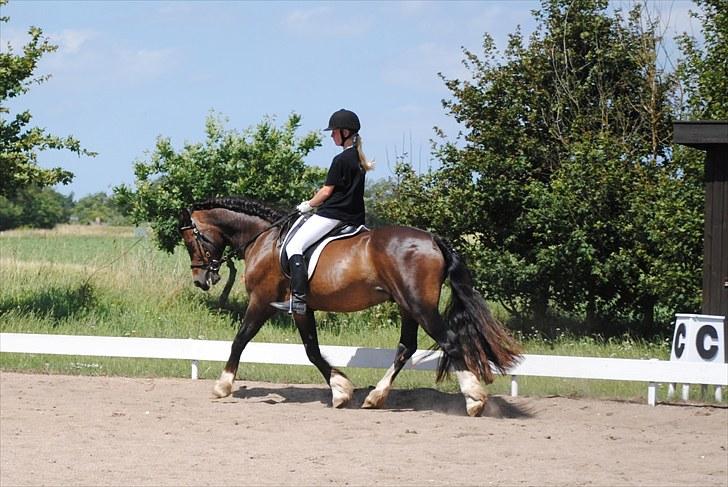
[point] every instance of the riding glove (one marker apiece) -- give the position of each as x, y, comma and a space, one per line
304, 207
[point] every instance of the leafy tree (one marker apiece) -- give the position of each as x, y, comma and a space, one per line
35, 207
98, 207
375, 191
263, 163
564, 164
10, 214
704, 72
677, 222
20, 144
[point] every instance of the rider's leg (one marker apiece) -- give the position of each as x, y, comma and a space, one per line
314, 228
299, 287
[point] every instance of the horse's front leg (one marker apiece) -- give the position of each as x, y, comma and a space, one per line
342, 390
256, 314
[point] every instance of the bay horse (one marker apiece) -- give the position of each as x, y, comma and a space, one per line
392, 263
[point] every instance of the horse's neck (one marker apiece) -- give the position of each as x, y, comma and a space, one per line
240, 227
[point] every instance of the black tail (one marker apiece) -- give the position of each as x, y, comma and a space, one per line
482, 340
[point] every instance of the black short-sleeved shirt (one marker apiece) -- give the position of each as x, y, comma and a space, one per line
347, 177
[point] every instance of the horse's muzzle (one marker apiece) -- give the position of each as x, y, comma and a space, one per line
204, 285
207, 280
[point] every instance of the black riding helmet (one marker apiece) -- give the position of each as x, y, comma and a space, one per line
344, 119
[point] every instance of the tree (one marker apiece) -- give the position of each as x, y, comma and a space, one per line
375, 191
98, 207
35, 207
704, 72
263, 163
565, 157
20, 144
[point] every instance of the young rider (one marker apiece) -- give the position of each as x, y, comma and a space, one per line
341, 199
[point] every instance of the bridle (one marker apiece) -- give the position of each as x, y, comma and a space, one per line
205, 246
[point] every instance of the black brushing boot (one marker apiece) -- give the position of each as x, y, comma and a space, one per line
299, 287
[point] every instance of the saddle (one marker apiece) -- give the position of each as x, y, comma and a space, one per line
312, 253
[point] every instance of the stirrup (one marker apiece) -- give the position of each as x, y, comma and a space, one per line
291, 306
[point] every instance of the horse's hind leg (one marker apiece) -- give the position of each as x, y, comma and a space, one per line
342, 390
407, 346
472, 389
255, 316
470, 386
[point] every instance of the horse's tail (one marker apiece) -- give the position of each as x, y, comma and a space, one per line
473, 332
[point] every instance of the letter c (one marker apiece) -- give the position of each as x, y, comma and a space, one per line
679, 342
710, 352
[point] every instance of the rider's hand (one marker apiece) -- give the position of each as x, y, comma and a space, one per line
304, 207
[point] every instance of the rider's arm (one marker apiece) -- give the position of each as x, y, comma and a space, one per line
321, 196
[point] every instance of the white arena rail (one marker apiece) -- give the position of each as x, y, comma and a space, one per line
650, 371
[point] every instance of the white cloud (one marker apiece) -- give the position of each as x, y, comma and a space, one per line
177, 9
303, 19
144, 64
327, 22
418, 67
413, 8
71, 41
89, 61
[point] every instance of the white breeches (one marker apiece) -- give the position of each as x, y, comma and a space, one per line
314, 228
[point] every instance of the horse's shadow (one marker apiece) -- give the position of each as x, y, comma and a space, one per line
421, 399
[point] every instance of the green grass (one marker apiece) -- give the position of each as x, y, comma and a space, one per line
83, 280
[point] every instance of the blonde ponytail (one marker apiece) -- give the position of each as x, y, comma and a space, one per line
367, 165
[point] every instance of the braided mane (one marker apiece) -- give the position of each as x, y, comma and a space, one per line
240, 205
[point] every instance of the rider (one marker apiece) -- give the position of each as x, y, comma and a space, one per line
341, 199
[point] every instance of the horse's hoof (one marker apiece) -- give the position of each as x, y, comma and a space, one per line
474, 408
342, 390
339, 403
224, 385
222, 389
375, 400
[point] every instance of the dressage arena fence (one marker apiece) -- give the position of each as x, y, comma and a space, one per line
652, 371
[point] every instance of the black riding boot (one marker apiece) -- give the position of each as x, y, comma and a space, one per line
299, 287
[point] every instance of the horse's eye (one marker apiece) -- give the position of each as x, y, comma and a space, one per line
207, 254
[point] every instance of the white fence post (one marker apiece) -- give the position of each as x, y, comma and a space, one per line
514, 386
195, 370
652, 394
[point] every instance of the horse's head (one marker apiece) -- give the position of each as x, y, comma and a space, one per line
206, 245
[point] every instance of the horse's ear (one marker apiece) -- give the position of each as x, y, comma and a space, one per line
185, 217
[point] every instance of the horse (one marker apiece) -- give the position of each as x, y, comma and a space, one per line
391, 263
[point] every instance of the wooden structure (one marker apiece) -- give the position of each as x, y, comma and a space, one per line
712, 137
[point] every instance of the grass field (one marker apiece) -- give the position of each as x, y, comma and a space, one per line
88, 280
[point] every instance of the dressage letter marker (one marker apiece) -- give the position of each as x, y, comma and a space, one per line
699, 338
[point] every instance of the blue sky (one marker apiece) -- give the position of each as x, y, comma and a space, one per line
127, 72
